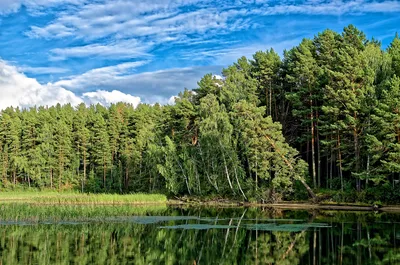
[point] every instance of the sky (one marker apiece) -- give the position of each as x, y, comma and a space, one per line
103, 51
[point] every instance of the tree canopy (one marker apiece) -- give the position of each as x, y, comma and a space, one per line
325, 116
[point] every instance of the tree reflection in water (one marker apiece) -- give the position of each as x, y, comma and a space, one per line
207, 236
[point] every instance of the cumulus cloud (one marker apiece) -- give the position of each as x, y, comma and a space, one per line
218, 77
171, 100
106, 97
18, 90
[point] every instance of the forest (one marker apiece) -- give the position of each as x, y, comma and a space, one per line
322, 121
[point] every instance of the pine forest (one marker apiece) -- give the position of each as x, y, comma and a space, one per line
323, 120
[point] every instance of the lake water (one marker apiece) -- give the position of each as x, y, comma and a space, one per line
200, 236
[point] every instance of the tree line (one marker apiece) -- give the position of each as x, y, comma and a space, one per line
324, 117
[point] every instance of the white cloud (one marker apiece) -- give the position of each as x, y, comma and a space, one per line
161, 20
127, 29
167, 19
10, 6
51, 31
42, 70
99, 77
171, 100
7, 6
337, 7
167, 82
17, 90
116, 50
227, 55
106, 97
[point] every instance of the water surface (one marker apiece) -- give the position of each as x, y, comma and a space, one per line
196, 236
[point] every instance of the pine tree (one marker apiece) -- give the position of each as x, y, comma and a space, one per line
100, 147
345, 97
326, 53
266, 66
384, 137
11, 134
394, 52
63, 150
270, 158
238, 84
208, 84
82, 138
47, 146
306, 97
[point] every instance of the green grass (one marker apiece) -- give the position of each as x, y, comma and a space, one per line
19, 213
49, 197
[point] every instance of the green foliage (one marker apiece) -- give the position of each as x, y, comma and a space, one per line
328, 110
64, 198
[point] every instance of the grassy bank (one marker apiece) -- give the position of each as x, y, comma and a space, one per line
23, 213
25, 203
49, 197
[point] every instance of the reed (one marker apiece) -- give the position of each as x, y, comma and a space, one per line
50, 197
22, 213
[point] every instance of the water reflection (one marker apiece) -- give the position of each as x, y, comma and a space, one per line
206, 236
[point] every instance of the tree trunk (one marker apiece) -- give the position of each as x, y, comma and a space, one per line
314, 174
186, 178
240, 187
51, 178
327, 170
206, 170
266, 100
5, 167
126, 182
112, 164
226, 170
104, 173
256, 176
308, 149
331, 167
287, 162
357, 157
318, 151
84, 170
357, 153
60, 169
60, 176
270, 98
340, 162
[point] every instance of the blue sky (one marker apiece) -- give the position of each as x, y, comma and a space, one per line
106, 51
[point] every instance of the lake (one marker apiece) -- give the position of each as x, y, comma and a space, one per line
175, 235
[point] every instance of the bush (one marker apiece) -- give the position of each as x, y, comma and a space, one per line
299, 192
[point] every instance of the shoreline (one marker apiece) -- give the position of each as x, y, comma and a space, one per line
293, 206
140, 199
